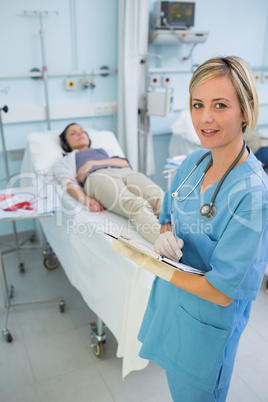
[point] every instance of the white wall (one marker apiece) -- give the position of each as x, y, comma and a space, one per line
82, 37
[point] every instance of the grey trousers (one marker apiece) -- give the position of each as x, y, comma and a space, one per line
130, 194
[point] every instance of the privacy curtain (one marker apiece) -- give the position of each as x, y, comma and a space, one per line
133, 128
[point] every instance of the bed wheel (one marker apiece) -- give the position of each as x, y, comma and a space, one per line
11, 291
98, 348
62, 306
51, 262
22, 268
7, 335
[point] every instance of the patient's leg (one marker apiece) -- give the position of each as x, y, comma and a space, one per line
142, 186
107, 187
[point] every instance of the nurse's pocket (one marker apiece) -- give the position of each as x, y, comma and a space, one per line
193, 346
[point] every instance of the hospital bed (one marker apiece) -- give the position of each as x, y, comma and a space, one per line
184, 139
115, 288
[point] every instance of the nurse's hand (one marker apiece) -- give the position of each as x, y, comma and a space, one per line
169, 246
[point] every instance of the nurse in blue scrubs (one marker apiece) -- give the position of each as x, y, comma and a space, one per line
192, 324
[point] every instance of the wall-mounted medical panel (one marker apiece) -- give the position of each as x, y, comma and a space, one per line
162, 37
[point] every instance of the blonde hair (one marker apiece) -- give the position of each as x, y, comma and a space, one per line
242, 79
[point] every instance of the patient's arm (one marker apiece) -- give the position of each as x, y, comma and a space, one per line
77, 193
82, 172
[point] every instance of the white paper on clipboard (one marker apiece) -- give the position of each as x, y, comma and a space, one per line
150, 253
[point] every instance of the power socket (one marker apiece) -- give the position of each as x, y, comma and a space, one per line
104, 108
166, 80
70, 84
155, 80
264, 76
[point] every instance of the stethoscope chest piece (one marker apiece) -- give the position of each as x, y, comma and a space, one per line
208, 211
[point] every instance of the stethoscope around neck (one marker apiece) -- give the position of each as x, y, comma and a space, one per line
208, 211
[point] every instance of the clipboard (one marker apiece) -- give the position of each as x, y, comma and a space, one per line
155, 256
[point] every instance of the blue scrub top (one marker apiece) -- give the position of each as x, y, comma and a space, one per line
186, 335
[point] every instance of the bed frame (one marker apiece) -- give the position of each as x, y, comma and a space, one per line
115, 288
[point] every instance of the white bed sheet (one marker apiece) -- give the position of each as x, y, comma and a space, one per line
115, 288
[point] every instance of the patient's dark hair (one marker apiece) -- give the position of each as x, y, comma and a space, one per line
63, 142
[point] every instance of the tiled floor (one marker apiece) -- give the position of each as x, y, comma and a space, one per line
50, 358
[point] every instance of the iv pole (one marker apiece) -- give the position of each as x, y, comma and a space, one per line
143, 112
17, 248
41, 14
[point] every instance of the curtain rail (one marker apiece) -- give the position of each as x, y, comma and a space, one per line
37, 74
156, 70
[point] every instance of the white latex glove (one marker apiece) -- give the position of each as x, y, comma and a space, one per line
169, 246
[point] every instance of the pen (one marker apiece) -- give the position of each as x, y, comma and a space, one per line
172, 224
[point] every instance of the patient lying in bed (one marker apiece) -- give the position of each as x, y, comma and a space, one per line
101, 181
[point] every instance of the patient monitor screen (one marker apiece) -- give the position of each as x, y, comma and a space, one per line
181, 14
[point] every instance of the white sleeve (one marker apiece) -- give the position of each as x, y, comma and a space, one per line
64, 170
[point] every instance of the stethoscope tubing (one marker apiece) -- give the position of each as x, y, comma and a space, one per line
176, 193
216, 192
227, 172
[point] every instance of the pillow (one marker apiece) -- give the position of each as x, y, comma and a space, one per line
183, 126
45, 149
